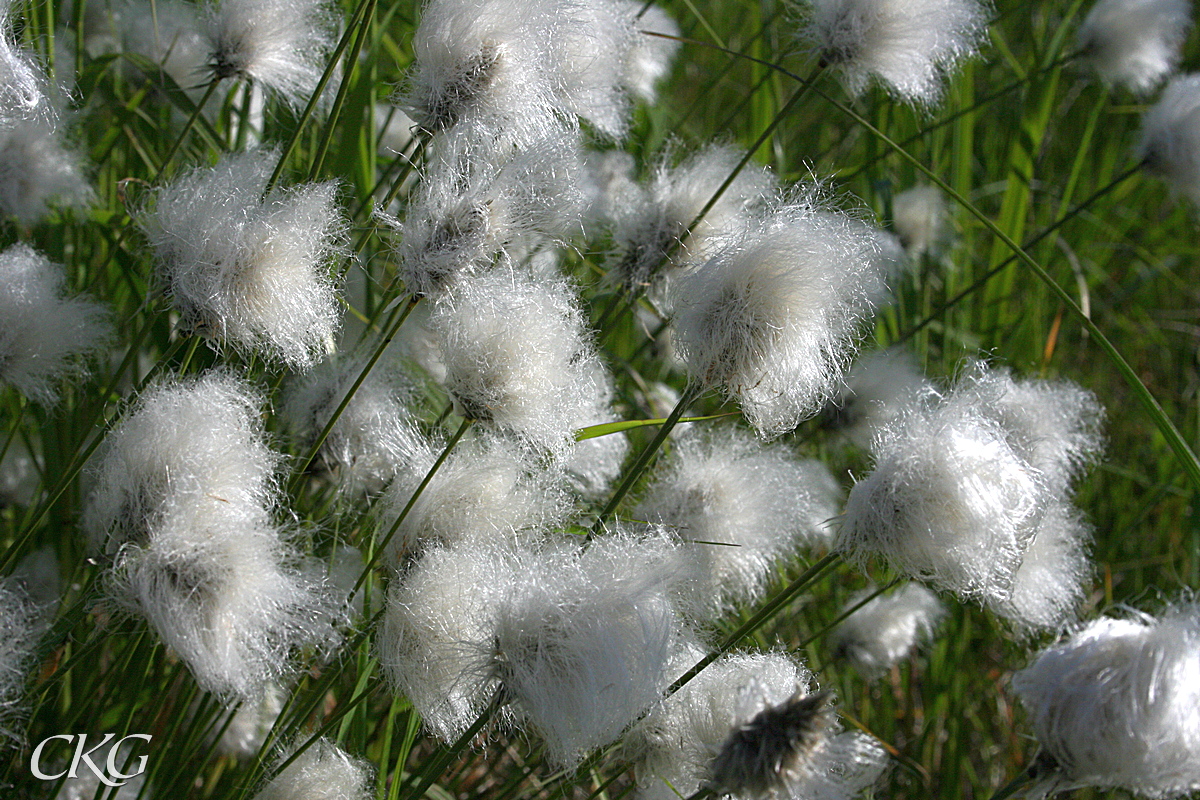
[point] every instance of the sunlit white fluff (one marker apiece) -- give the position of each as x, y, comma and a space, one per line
1117, 704
950, 501
648, 59
740, 506
255, 272
183, 506
645, 232
1048, 588
879, 388
1135, 43
1170, 141
44, 335
889, 627
681, 743
610, 190
910, 46
323, 771
436, 643
592, 464
919, 216
243, 737
38, 170
19, 631
375, 436
773, 317
517, 357
281, 45
487, 489
468, 211
583, 639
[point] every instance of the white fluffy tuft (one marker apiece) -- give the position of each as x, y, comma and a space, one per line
517, 357
250, 270
324, 771
37, 171
593, 464
1117, 704
879, 388
44, 336
740, 506
908, 45
773, 317
20, 628
886, 629
1170, 142
22, 81
649, 57
281, 45
1135, 43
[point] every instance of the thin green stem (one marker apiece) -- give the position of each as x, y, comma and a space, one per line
187, 128
343, 91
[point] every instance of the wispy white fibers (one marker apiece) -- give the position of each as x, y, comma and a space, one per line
280, 45
19, 630
919, 215
183, 506
249, 270
487, 489
610, 190
773, 317
323, 771
583, 638
469, 210
517, 356
20, 475
879, 388
248, 729
950, 501
887, 628
1170, 142
727, 729
44, 335
1117, 704
1135, 43
910, 46
1048, 588
38, 171
645, 232
649, 57
740, 506
170, 35
504, 73
591, 465
22, 83
375, 436
436, 644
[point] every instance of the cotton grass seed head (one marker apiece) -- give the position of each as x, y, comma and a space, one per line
910, 46
950, 501
38, 171
44, 335
772, 318
248, 270
517, 357
280, 45
1135, 43
22, 82
323, 771
887, 628
648, 59
740, 506
1170, 141
1048, 588
1117, 704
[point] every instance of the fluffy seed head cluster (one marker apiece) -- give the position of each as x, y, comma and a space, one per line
879, 388
487, 489
583, 639
1170, 141
517, 357
593, 464
281, 45
19, 630
1117, 704
374, 438
250, 270
44, 336
740, 505
749, 726
910, 46
22, 82
964, 484
324, 771
182, 504
469, 211
1135, 43
772, 318
646, 231
887, 628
